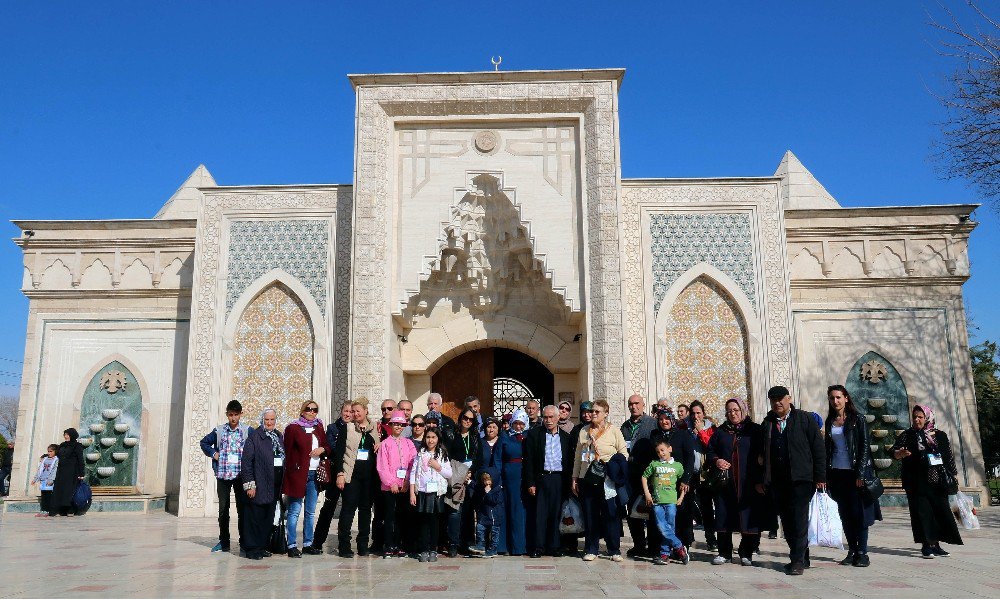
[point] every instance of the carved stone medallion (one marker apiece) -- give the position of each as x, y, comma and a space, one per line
874, 372
486, 141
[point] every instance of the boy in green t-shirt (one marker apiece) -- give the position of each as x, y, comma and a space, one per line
664, 474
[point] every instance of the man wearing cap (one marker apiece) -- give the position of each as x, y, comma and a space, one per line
225, 446
636, 430
794, 468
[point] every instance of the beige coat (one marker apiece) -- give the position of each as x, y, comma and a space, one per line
353, 440
608, 444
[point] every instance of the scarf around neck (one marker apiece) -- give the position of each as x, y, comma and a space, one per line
306, 423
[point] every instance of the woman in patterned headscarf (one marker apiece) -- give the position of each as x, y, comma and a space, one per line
261, 469
738, 447
512, 451
929, 476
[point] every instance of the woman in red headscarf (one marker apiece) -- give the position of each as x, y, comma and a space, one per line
929, 476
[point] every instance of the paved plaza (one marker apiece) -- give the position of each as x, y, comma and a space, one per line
115, 555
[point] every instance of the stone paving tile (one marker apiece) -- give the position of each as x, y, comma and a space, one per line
159, 556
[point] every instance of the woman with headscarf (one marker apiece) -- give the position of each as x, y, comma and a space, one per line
929, 476
738, 448
261, 469
598, 442
71, 471
491, 460
848, 466
516, 512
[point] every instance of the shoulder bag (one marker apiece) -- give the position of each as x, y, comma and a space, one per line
598, 470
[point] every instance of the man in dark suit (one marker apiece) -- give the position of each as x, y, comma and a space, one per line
794, 467
548, 470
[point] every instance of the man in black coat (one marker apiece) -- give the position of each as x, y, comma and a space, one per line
794, 467
682, 450
547, 473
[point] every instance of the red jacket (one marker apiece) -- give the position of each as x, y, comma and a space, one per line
298, 446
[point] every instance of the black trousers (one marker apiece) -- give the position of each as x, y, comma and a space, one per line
548, 508
430, 525
325, 517
357, 497
748, 545
705, 503
378, 523
46, 501
223, 488
257, 529
793, 500
392, 510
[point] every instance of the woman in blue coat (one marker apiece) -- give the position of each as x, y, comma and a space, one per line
491, 460
512, 452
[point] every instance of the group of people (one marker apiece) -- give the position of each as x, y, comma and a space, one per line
423, 484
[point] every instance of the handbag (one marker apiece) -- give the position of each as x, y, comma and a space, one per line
82, 497
323, 472
941, 480
873, 489
278, 543
716, 479
598, 470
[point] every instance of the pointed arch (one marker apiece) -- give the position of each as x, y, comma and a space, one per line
873, 379
737, 327
84, 409
295, 343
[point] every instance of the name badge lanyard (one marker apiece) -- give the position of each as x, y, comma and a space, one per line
467, 441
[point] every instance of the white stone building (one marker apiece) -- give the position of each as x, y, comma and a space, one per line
488, 245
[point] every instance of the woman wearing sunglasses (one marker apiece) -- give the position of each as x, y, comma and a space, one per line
305, 441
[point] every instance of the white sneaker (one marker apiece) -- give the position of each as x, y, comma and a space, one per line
746, 561
589, 557
719, 560
617, 558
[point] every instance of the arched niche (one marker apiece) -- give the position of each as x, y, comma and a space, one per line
111, 426
879, 393
274, 348
708, 342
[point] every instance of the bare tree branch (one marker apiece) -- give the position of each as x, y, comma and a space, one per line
8, 416
969, 146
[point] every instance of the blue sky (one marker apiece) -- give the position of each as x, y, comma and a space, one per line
105, 108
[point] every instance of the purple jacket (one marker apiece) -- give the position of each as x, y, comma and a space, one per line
258, 465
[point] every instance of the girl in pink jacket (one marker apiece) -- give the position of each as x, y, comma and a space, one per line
394, 460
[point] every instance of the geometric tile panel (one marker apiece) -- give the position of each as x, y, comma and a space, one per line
680, 241
299, 247
707, 352
273, 355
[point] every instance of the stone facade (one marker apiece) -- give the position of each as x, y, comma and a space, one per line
488, 210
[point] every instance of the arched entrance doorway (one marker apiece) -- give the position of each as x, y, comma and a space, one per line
503, 380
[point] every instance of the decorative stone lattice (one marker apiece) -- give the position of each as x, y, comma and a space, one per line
679, 241
299, 247
487, 261
273, 355
707, 352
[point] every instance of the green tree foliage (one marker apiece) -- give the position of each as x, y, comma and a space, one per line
986, 377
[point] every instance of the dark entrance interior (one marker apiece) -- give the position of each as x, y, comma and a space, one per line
503, 379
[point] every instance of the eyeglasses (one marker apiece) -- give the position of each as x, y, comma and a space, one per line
564, 409
386, 408
416, 424
470, 419
311, 410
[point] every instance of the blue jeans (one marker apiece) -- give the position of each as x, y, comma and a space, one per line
295, 507
487, 538
665, 514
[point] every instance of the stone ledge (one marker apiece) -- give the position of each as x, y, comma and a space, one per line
140, 504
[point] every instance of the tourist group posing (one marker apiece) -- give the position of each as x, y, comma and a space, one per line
534, 482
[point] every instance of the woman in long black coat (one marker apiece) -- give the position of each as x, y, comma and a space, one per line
926, 456
738, 447
68, 475
848, 466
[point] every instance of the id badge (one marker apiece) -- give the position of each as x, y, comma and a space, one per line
468, 463
628, 445
401, 473
432, 486
278, 462
362, 455
934, 459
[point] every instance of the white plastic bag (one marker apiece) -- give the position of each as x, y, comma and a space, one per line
825, 528
964, 510
572, 517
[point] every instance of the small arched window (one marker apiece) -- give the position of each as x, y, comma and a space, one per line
510, 394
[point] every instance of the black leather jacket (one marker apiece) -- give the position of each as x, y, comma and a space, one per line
858, 449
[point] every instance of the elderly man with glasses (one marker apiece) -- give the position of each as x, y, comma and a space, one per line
636, 431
